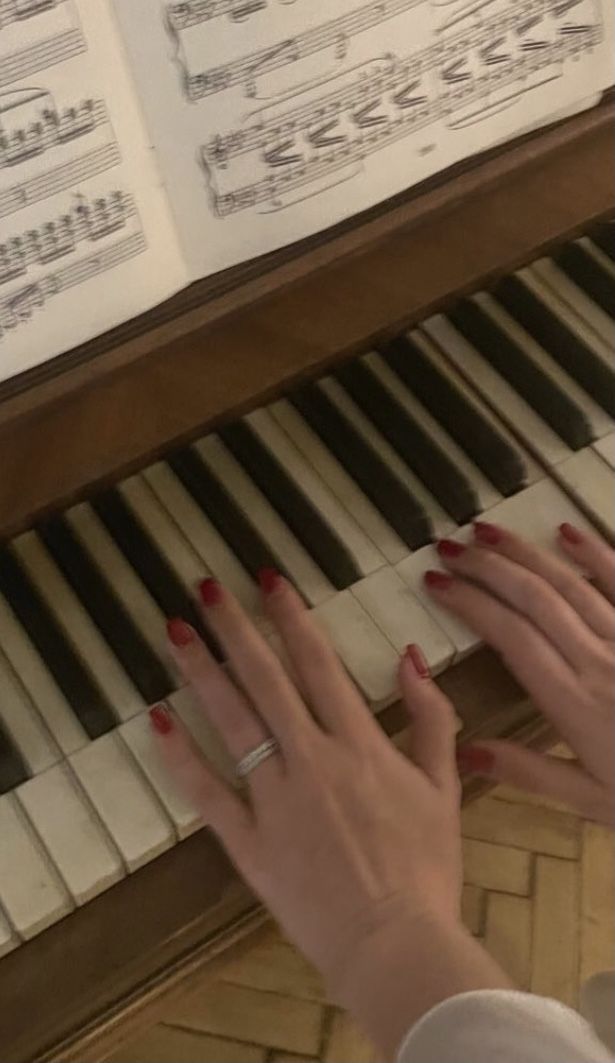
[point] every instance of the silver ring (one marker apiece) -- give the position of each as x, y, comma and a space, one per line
255, 757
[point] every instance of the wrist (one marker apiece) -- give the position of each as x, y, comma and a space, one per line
402, 967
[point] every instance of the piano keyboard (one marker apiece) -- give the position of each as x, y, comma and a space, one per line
502, 408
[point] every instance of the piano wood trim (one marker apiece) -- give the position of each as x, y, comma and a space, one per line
107, 417
71, 993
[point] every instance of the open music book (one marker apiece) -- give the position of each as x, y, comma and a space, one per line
145, 144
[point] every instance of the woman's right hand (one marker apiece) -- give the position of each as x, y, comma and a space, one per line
556, 634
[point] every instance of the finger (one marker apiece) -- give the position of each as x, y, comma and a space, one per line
434, 722
332, 694
532, 659
592, 553
560, 780
584, 599
256, 667
239, 726
528, 593
221, 809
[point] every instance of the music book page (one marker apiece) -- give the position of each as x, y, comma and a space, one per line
273, 119
87, 239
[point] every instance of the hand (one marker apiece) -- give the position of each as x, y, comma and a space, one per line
355, 849
556, 634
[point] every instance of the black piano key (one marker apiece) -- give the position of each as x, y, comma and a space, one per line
604, 236
561, 342
527, 378
320, 541
13, 771
439, 474
152, 568
78, 686
390, 496
490, 452
220, 508
132, 650
589, 274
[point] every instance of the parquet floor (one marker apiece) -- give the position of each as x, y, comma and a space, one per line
539, 892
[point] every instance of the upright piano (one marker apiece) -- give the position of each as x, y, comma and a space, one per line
448, 350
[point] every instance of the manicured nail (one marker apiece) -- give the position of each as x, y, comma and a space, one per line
489, 534
571, 534
269, 580
475, 759
211, 592
449, 548
415, 654
161, 718
180, 633
439, 581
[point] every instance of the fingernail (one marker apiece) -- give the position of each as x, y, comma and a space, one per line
449, 548
269, 580
571, 534
211, 592
489, 534
474, 759
440, 581
415, 654
161, 718
180, 633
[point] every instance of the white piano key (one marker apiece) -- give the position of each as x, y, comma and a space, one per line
367, 655
78, 627
402, 619
545, 276
606, 449
496, 392
194, 718
367, 558
600, 421
124, 800
203, 537
147, 509
412, 572
333, 474
23, 723
305, 574
443, 525
122, 578
31, 891
141, 741
39, 683
598, 254
485, 491
71, 832
8, 938
590, 479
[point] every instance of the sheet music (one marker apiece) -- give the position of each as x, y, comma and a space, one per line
87, 238
276, 118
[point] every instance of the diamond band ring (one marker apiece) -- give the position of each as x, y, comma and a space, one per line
255, 757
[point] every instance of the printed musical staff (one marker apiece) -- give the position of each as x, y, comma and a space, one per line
20, 10
59, 178
31, 124
41, 56
183, 16
458, 81
19, 307
336, 33
86, 221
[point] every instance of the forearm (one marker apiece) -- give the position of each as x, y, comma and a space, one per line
397, 974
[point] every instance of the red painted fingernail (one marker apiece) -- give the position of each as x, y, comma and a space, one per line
180, 633
475, 759
211, 592
415, 654
571, 534
269, 580
489, 534
161, 718
449, 548
440, 581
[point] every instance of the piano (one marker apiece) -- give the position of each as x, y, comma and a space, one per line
332, 410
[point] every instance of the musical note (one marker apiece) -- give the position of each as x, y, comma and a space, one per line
31, 123
194, 12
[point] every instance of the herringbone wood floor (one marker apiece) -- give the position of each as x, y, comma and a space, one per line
539, 892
